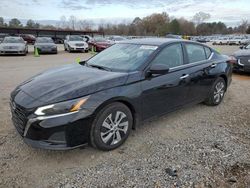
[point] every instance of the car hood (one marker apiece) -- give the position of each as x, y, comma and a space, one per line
68, 82
12, 44
45, 44
103, 43
242, 53
76, 42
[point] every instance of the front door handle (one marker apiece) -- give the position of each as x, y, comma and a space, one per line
184, 76
213, 65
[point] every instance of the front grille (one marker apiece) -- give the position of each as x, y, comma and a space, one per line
79, 44
19, 117
10, 47
245, 60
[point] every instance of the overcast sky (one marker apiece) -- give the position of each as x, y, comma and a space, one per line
228, 11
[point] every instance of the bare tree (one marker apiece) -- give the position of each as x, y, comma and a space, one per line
200, 17
72, 22
63, 22
243, 26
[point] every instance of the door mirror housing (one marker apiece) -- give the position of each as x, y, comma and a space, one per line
159, 69
82, 62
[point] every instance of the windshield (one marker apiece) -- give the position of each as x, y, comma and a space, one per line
13, 40
122, 57
248, 46
44, 40
119, 38
75, 38
100, 40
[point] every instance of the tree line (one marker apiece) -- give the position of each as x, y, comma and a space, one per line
157, 24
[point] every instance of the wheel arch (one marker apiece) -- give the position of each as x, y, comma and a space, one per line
124, 101
225, 79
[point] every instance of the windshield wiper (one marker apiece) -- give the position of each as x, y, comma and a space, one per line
99, 67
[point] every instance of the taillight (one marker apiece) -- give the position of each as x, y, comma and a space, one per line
232, 60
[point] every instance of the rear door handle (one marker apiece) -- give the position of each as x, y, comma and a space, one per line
213, 65
184, 76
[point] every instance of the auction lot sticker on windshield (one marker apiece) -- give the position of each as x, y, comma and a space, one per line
148, 47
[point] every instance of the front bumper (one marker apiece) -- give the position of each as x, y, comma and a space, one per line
47, 50
59, 132
79, 48
242, 67
8, 52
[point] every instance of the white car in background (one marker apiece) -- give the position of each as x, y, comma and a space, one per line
75, 43
236, 41
13, 45
116, 39
221, 41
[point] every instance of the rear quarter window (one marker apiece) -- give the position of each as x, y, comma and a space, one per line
208, 52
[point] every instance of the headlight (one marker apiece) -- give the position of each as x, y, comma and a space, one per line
240, 62
21, 47
61, 108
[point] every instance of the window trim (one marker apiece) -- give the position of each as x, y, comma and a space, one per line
191, 64
164, 47
189, 43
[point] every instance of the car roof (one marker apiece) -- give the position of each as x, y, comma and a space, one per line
13, 37
151, 41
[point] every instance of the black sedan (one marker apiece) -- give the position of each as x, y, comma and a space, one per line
45, 45
243, 59
99, 101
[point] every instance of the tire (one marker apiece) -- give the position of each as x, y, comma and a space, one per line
104, 134
216, 93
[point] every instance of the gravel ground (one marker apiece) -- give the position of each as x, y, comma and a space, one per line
197, 146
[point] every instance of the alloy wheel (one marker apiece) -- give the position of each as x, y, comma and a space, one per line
114, 128
219, 91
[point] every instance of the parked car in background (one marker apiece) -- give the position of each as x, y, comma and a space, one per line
116, 39
243, 59
171, 36
99, 44
45, 45
30, 39
236, 41
221, 41
2, 36
99, 101
75, 43
87, 38
13, 45
201, 40
58, 40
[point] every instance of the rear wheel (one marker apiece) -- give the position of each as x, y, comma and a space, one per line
111, 126
217, 92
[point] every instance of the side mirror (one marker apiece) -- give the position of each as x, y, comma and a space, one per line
158, 69
82, 62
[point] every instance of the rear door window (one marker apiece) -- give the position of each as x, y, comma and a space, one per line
195, 53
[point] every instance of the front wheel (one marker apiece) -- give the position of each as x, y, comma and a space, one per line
111, 126
217, 92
